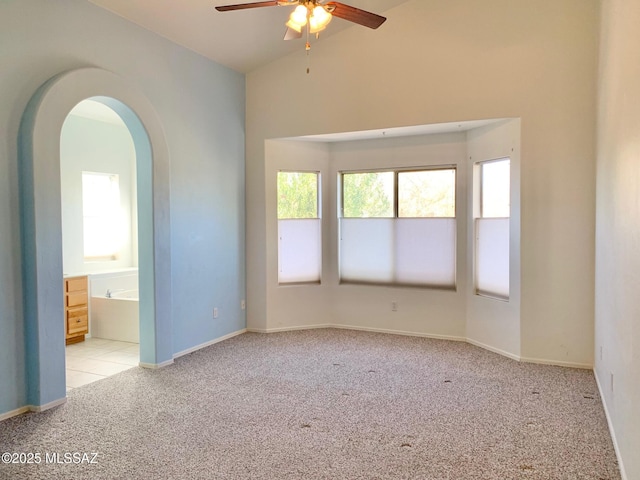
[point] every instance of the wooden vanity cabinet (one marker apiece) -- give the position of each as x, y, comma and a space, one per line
76, 309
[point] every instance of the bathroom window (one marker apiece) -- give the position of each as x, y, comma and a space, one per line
102, 216
492, 228
398, 227
299, 229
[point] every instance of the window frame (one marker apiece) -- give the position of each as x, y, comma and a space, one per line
478, 167
481, 184
395, 196
395, 209
318, 218
318, 193
115, 254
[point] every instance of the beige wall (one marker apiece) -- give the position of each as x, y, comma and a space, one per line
492, 323
617, 339
294, 305
439, 313
422, 311
458, 314
438, 61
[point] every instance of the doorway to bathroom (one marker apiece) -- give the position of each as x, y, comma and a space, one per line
41, 225
98, 179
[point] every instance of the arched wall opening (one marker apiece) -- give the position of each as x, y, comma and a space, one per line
42, 232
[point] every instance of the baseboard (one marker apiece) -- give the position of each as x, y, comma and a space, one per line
288, 329
257, 330
435, 336
155, 366
616, 448
47, 406
152, 366
356, 327
209, 343
499, 351
557, 363
519, 358
13, 413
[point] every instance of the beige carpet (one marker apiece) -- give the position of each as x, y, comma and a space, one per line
325, 404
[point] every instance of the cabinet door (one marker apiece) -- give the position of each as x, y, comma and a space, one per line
77, 321
78, 284
75, 299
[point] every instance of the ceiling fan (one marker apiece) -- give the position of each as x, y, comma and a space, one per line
313, 15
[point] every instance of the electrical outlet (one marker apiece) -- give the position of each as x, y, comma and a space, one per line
215, 312
394, 306
243, 305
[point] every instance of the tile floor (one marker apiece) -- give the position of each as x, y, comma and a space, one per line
98, 358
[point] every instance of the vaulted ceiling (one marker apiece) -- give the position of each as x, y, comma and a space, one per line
242, 40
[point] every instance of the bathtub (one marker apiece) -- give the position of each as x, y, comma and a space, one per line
124, 294
116, 316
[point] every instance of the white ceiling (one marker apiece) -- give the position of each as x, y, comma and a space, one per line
242, 40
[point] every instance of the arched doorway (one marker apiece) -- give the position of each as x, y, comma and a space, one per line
99, 243
41, 224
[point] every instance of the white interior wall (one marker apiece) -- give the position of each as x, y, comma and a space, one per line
424, 311
617, 325
492, 323
95, 146
420, 311
294, 305
437, 61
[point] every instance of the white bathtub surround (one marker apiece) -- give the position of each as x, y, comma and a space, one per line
123, 294
115, 319
114, 306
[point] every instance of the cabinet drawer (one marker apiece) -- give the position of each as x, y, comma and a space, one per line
77, 321
75, 299
76, 284
77, 312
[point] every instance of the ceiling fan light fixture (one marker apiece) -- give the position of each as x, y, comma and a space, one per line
319, 19
298, 18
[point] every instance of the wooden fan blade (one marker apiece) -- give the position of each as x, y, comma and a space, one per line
243, 6
291, 34
355, 15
